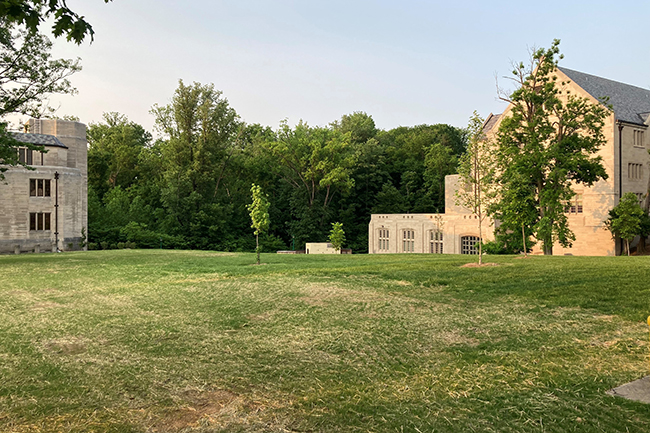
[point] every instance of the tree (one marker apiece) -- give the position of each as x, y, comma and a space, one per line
626, 218
476, 169
259, 211
32, 13
201, 133
337, 236
27, 76
317, 163
548, 139
114, 149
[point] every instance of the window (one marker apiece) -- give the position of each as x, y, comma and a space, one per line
384, 235
39, 221
635, 171
638, 138
468, 245
40, 188
408, 241
575, 205
29, 156
435, 242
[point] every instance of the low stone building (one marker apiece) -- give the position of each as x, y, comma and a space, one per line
48, 203
624, 156
452, 232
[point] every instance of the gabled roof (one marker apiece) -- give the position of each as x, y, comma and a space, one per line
38, 139
490, 122
630, 103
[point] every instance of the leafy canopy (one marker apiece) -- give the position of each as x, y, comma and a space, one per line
337, 236
547, 141
31, 13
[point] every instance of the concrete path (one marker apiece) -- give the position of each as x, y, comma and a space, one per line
639, 390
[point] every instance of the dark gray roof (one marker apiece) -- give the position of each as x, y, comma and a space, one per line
490, 122
38, 139
630, 103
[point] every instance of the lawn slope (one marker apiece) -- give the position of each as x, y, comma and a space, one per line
179, 341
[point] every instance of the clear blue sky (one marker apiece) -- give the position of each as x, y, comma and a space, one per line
403, 62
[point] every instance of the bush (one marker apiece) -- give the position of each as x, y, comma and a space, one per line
92, 246
105, 245
130, 245
70, 246
120, 245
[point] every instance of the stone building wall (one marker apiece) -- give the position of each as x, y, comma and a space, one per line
16, 204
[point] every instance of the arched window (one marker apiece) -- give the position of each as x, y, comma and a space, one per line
468, 245
435, 242
384, 236
408, 240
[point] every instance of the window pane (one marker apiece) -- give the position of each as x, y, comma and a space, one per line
32, 221
21, 155
48, 191
32, 187
29, 156
39, 220
39, 191
47, 221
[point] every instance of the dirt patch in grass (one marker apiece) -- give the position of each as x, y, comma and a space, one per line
65, 346
207, 409
456, 338
476, 265
39, 306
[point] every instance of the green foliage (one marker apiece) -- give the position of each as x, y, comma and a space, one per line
259, 211
476, 190
627, 219
337, 236
28, 75
547, 142
31, 13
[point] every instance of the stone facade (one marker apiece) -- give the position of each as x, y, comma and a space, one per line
453, 232
624, 156
29, 218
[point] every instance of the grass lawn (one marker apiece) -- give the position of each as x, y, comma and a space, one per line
187, 341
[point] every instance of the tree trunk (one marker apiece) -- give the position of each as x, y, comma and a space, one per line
523, 239
257, 247
548, 248
627, 241
480, 242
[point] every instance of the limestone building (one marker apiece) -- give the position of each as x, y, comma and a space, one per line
49, 203
625, 158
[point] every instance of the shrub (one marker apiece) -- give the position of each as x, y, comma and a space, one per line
92, 246
120, 245
105, 245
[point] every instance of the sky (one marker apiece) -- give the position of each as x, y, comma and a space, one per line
403, 62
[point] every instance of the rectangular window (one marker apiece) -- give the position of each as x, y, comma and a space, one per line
638, 138
435, 242
383, 239
574, 206
21, 155
634, 171
29, 159
408, 241
40, 221
40, 187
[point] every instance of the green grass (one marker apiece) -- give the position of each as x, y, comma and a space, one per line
179, 341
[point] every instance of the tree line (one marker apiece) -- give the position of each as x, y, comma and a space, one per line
190, 188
